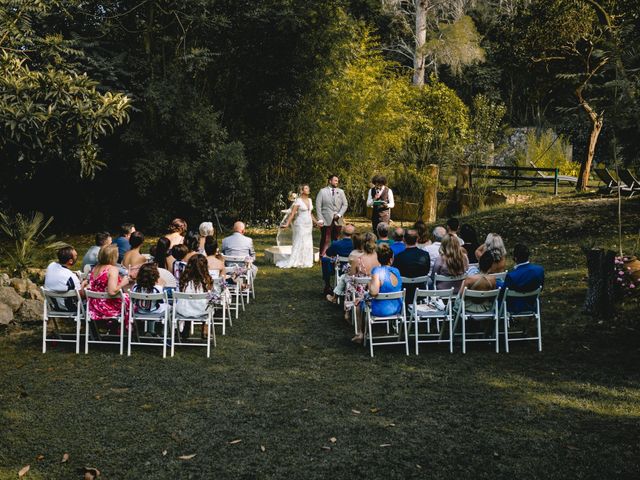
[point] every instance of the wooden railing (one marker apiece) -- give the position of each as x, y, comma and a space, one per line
515, 173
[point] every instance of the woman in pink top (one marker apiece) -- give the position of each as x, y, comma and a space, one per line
105, 278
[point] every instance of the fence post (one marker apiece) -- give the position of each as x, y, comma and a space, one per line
555, 182
515, 178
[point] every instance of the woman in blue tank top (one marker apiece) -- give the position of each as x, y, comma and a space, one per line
384, 279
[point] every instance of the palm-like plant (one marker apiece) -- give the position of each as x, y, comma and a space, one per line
25, 239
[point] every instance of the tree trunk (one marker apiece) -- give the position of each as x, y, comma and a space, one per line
599, 300
430, 200
597, 120
421, 39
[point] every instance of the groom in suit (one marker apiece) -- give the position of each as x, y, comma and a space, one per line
331, 205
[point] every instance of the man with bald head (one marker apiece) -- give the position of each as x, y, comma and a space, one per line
237, 244
341, 248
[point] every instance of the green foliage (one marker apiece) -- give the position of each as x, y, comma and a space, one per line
357, 117
48, 108
545, 149
455, 44
439, 127
24, 240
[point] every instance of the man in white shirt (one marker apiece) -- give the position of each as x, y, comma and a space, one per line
60, 278
380, 199
434, 249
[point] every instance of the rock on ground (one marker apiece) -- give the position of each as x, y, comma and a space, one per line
9, 297
31, 310
6, 314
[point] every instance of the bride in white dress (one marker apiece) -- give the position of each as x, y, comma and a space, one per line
303, 222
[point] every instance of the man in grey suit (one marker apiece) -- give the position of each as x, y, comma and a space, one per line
238, 245
331, 205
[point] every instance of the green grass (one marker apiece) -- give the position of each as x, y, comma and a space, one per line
286, 377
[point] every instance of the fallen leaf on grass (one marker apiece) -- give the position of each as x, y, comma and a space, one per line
187, 457
355, 412
263, 448
233, 442
419, 467
572, 447
384, 445
391, 425
40, 457
333, 439
119, 389
65, 458
374, 410
324, 447
91, 472
23, 471
164, 453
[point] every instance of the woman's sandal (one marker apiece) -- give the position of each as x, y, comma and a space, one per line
358, 338
331, 298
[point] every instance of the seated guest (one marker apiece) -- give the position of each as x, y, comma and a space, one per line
423, 235
205, 230
105, 278
452, 262
192, 242
453, 224
382, 230
481, 281
162, 254
398, 245
126, 229
525, 277
178, 253
133, 258
91, 257
214, 262
338, 248
434, 249
149, 281
60, 278
495, 245
412, 263
384, 279
358, 243
177, 228
239, 245
468, 233
361, 265
194, 279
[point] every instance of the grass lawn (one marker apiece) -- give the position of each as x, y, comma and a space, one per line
287, 378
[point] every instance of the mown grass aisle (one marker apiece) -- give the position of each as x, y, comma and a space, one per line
287, 378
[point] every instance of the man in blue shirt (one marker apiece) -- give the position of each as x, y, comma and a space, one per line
525, 277
126, 229
398, 245
342, 248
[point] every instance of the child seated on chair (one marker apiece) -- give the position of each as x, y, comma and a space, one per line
194, 279
149, 281
179, 252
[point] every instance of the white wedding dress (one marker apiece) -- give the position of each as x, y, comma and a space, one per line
302, 243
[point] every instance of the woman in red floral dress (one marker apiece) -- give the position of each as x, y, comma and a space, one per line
105, 278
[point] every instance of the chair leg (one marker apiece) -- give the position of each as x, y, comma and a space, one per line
173, 334
164, 338
209, 326
406, 336
86, 335
44, 335
78, 328
539, 332
415, 320
496, 332
506, 332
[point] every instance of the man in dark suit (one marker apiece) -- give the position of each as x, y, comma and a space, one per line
412, 262
342, 248
525, 277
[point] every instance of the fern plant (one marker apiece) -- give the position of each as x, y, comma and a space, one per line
25, 239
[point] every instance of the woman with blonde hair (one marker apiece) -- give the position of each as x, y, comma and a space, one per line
105, 278
494, 244
452, 262
303, 221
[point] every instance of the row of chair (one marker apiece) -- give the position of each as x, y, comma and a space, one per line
229, 305
433, 308
626, 182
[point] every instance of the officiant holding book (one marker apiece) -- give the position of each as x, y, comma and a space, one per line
380, 199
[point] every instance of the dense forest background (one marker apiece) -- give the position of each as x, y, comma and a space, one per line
144, 110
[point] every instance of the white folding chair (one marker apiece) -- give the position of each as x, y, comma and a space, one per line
534, 298
235, 290
427, 308
143, 316
356, 281
463, 316
397, 321
52, 311
225, 306
446, 278
499, 276
231, 262
91, 296
338, 264
205, 319
424, 280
